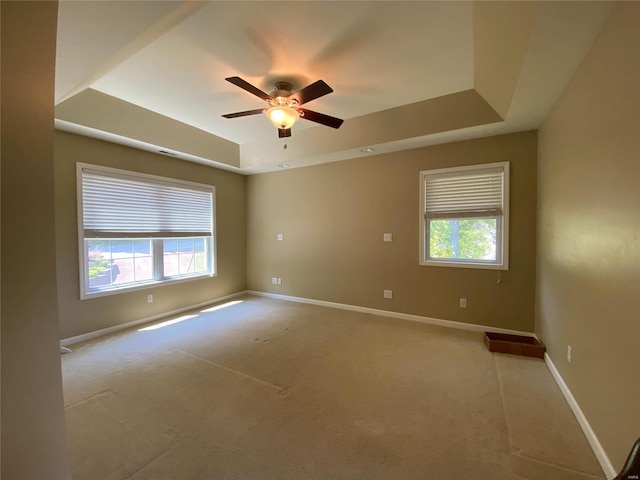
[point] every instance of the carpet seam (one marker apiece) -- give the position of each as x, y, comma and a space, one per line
282, 390
555, 465
135, 472
504, 405
103, 393
518, 452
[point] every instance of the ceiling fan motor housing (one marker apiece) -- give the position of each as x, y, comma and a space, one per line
280, 96
282, 89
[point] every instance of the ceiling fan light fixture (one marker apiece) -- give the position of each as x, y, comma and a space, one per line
282, 117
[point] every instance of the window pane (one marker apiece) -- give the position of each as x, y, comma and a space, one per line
200, 262
464, 239
98, 274
170, 246
185, 256
171, 264
171, 257
118, 262
122, 248
99, 260
123, 271
98, 249
185, 245
143, 268
142, 247
186, 263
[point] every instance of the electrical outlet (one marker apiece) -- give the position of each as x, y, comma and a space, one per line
280, 236
279, 281
569, 353
274, 280
463, 303
388, 294
387, 237
149, 297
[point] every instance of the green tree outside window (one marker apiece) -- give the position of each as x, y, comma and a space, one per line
470, 238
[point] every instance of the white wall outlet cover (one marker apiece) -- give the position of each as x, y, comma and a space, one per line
279, 281
388, 294
280, 236
149, 297
274, 280
463, 303
387, 237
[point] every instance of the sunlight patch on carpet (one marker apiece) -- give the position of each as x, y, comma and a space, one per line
167, 323
218, 307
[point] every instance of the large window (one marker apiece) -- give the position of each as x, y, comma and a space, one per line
139, 230
465, 216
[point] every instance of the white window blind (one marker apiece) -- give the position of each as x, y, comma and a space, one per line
117, 205
468, 194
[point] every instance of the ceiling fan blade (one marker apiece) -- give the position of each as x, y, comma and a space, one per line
238, 82
284, 132
311, 92
244, 114
321, 118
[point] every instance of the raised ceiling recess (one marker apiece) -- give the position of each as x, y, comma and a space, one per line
151, 74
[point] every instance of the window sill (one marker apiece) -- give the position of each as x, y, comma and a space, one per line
476, 265
103, 292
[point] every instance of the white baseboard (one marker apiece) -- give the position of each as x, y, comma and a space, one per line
601, 455
386, 313
105, 331
343, 306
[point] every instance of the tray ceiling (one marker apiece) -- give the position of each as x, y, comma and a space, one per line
405, 74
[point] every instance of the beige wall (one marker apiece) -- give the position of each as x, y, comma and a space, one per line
333, 216
82, 316
588, 280
34, 443
501, 38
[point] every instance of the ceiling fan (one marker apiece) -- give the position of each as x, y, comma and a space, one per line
284, 105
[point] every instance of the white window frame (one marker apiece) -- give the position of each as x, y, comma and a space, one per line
502, 226
156, 242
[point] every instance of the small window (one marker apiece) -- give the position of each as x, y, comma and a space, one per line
464, 219
139, 230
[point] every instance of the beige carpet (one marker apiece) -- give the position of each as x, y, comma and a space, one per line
269, 389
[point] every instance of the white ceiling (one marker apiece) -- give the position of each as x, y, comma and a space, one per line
171, 58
